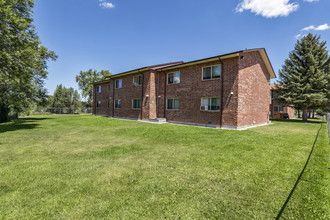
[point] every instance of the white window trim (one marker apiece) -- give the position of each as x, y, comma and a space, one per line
133, 103
177, 109
134, 78
173, 79
114, 103
218, 97
121, 83
211, 72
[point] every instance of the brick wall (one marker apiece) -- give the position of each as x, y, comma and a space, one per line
244, 83
289, 110
253, 90
103, 96
126, 94
192, 89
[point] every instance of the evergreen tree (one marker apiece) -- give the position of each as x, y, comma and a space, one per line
22, 58
304, 79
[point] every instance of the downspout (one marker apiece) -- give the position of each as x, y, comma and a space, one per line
113, 98
142, 95
157, 93
165, 95
221, 96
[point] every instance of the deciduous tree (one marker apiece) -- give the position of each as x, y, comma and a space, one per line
85, 80
23, 60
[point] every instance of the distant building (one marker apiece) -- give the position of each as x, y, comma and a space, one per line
277, 110
226, 91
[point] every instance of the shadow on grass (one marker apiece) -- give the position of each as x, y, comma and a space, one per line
21, 124
312, 121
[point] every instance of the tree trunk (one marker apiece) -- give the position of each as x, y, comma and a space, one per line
4, 113
313, 113
299, 113
305, 112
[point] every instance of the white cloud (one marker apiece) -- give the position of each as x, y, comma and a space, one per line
300, 36
321, 27
268, 8
311, 27
105, 4
311, 0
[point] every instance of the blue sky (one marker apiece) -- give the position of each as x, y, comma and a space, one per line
119, 35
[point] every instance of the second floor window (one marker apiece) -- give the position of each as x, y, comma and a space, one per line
137, 80
210, 104
98, 89
173, 78
118, 103
119, 83
278, 108
211, 72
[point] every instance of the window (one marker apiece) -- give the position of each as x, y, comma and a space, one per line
210, 104
173, 104
108, 87
211, 72
137, 80
98, 104
136, 103
278, 108
281, 108
98, 89
118, 103
119, 83
108, 104
173, 78
275, 94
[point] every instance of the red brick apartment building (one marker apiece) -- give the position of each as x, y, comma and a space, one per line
276, 109
227, 91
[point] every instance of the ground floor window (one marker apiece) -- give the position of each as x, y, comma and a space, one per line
118, 103
136, 103
210, 104
98, 103
173, 104
108, 104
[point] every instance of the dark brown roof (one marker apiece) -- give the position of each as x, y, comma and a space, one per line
181, 63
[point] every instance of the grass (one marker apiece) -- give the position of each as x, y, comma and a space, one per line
88, 167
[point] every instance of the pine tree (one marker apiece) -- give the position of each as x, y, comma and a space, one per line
304, 79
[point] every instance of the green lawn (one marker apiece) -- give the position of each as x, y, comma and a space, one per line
74, 167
